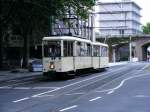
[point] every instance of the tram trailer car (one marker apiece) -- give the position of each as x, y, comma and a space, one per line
67, 54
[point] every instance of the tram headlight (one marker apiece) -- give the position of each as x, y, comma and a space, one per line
51, 65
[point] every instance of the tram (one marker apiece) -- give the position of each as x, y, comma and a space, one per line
67, 54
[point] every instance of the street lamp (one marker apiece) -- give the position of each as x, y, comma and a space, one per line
130, 49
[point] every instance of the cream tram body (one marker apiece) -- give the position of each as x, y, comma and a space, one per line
68, 54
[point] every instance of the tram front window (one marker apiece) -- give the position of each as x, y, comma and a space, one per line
52, 49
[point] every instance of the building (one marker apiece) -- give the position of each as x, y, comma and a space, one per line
119, 18
75, 26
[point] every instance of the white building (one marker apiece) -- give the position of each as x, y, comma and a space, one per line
119, 18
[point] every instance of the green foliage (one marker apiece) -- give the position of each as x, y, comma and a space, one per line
38, 15
29, 12
146, 28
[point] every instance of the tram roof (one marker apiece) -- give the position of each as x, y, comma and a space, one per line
73, 39
100, 44
66, 38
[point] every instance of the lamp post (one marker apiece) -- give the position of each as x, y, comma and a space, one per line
130, 49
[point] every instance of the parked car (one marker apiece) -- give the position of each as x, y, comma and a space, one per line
35, 65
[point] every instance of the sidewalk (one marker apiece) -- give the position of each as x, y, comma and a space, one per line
118, 63
17, 73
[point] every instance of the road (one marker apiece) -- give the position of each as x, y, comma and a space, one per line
123, 88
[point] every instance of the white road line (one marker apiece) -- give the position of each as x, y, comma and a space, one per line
103, 91
5, 87
145, 67
95, 99
74, 94
26, 88
44, 96
122, 82
68, 108
26, 98
21, 88
110, 92
45, 87
142, 96
36, 95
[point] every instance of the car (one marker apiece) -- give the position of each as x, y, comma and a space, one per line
35, 65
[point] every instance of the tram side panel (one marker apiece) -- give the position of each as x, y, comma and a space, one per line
67, 64
46, 65
96, 62
83, 62
103, 62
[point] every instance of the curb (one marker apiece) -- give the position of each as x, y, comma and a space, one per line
20, 77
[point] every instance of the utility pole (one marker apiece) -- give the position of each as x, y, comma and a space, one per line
130, 49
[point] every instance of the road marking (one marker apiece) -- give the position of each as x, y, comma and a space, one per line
5, 87
26, 98
122, 82
75, 83
102, 91
110, 92
44, 96
21, 88
145, 67
37, 95
95, 99
45, 87
75, 94
142, 96
26, 88
68, 108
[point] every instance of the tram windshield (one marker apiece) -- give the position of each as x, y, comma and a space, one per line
52, 49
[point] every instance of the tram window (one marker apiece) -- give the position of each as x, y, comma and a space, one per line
78, 48
68, 48
96, 51
83, 49
52, 49
88, 50
104, 51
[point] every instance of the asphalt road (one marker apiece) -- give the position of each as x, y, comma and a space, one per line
123, 88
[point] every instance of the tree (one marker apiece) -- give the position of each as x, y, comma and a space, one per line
38, 15
146, 28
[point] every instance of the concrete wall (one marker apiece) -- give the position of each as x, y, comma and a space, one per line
139, 47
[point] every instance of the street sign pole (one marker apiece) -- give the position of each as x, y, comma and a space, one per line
130, 49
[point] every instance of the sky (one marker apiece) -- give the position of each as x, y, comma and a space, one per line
145, 12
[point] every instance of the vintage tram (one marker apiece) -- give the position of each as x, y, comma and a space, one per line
67, 54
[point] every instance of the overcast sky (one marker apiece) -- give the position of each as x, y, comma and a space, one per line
145, 12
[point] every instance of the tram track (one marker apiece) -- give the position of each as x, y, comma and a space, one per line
87, 86
19, 81
39, 78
